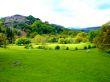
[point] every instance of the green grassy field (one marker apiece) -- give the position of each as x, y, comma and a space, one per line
21, 65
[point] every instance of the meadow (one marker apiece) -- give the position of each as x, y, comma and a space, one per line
38, 65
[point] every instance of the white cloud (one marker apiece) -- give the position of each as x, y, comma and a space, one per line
69, 13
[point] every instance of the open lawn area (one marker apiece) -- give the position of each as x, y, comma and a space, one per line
26, 65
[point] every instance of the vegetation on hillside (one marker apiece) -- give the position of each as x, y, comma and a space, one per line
18, 29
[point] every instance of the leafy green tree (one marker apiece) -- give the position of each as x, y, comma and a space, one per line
91, 35
69, 40
39, 39
82, 34
61, 41
52, 39
22, 41
102, 41
65, 40
81, 37
31, 19
36, 26
3, 40
2, 26
78, 39
10, 35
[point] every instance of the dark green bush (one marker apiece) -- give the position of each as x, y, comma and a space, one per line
65, 40
23, 41
50, 48
28, 46
57, 47
41, 47
108, 51
93, 46
67, 48
85, 47
76, 48
89, 46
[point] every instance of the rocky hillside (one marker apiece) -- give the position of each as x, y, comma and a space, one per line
30, 25
16, 19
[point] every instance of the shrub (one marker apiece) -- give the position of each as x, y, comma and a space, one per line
76, 48
77, 39
38, 39
68, 40
93, 46
52, 39
50, 48
81, 37
65, 40
89, 46
28, 46
85, 47
41, 47
22, 41
57, 47
67, 48
108, 51
61, 41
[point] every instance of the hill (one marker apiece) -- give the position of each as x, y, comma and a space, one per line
86, 29
90, 28
30, 25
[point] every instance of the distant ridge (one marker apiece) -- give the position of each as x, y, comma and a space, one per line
86, 29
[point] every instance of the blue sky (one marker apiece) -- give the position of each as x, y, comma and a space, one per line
69, 13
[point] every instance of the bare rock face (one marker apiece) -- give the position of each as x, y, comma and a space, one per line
15, 19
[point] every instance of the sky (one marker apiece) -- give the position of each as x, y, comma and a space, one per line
68, 13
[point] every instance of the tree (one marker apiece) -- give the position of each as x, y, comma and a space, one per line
78, 39
31, 19
65, 40
102, 41
52, 38
92, 34
3, 40
22, 41
36, 26
10, 34
81, 37
61, 41
39, 39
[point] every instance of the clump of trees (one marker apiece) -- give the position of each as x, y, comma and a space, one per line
81, 37
91, 35
38, 39
65, 40
22, 41
102, 41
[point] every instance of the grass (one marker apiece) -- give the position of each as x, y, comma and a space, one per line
71, 46
64, 46
21, 65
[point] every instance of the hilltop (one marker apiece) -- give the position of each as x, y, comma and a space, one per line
30, 24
